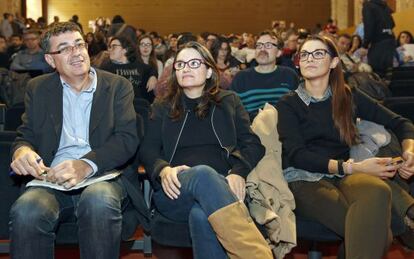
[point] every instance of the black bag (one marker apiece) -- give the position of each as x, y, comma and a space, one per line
369, 83
12, 87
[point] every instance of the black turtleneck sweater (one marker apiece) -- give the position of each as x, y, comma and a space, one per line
198, 145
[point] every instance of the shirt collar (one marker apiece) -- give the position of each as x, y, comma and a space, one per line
92, 86
307, 98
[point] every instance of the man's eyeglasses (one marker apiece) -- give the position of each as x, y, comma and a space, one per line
145, 45
316, 54
112, 46
192, 63
69, 49
266, 45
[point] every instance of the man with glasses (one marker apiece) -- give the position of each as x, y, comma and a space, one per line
266, 82
32, 57
79, 125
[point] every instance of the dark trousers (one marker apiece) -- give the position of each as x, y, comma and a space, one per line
356, 207
35, 216
202, 192
381, 55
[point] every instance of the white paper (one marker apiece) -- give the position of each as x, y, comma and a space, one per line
408, 50
84, 183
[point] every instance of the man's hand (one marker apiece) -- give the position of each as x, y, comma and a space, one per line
69, 173
237, 185
407, 168
27, 162
169, 180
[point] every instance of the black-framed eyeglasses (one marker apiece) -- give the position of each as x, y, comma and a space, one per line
69, 49
112, 46
266, 45
192, 63
316, 54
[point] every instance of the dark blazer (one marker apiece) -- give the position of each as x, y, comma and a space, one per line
231, 122
112, 129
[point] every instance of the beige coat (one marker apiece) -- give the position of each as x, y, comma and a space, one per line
272, 202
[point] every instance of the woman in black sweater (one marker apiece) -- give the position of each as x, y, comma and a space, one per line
317, 127
198, 150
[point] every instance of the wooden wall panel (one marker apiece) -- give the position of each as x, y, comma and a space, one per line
222, 16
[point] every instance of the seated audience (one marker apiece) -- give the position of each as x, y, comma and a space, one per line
350, 63
200, 178
266, 82
318, 130
15, 44
124, 62
31, 58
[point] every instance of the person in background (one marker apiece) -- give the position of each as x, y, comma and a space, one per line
32, 57
124, 62
266, 82
196, 178
4, 55
318, 128
146, 54
378, 35
227, 65
75, 20
404, 59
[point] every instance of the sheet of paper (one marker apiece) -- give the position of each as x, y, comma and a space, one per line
84, 183
409, 50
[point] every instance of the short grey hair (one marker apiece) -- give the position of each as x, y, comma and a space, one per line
55, 30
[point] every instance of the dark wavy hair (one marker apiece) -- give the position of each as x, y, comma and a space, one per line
55, 30
409, 36
342, 105
131, 50
175, 93
215, 48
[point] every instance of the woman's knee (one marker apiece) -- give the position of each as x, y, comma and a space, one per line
204, 173
370, 187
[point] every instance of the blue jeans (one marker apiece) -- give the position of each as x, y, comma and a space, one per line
203, 191
35, 216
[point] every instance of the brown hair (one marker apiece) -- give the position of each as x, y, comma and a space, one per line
210, 91
152, 61
342, 106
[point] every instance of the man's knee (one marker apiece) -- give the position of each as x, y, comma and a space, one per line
31, 210
99, 199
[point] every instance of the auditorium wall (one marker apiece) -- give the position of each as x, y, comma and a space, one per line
222, 16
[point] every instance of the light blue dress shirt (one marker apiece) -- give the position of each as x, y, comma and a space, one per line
74, 139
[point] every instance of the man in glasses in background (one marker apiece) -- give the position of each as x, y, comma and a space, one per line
79, 125
266, 82
32, 57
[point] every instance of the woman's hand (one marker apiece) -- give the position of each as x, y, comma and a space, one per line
151, 83
169, 180
376, 166
237, 185
407, 168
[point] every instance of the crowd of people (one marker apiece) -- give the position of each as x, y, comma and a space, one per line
197, 95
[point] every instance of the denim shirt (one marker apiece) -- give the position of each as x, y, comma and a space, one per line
74, 139
292, 174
